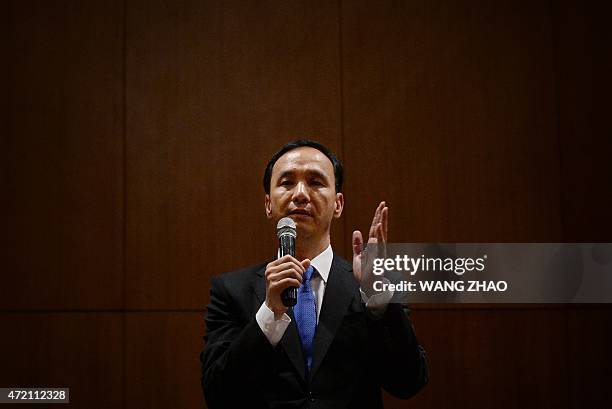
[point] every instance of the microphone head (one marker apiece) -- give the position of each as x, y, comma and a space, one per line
286, 225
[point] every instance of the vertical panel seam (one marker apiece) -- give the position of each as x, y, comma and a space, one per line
124, 221
555, 14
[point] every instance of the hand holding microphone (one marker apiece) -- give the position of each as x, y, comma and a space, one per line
284, 275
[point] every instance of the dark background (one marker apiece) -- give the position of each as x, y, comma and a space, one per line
136, 135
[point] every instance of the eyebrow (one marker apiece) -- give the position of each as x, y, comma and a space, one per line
310, 172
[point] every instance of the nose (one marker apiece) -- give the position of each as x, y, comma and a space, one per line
300, 194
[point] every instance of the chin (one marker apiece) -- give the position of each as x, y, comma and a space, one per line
303, 229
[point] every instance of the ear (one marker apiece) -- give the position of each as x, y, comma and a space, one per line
339, 205
268, 206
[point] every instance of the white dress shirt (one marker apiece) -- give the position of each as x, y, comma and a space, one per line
274, 329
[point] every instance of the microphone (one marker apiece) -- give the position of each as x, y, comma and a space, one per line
286, 233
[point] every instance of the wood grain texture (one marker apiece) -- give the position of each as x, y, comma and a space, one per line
476, 121
590, 375
509, 358
584, 63
449, 115
64, 192
213, 90
79, 351
162, 366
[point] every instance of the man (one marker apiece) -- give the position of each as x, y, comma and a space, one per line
340, 344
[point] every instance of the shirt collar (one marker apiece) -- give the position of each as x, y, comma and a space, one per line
323, 262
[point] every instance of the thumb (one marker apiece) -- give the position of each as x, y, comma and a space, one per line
305, 263
357, 243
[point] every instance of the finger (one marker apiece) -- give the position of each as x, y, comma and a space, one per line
379, 233
289, 258
375, 222
305, 263
295, 262
376, 219
287, 269
285, 266
380, 209
373, 225
385, 219
291, 273
285, 283
372, 231
382, 206
357, 243
376, 213
382, 239
376, 237
284, 259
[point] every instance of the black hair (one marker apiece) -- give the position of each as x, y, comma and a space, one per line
338, 172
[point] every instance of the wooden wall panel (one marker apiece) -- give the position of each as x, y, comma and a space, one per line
505, 358
481, 121
76, 350
583, 70
584, 63
590, 375
64, 192
449, 115
583, 66
162, 366
213, 89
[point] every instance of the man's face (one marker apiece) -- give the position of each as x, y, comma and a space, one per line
302, 187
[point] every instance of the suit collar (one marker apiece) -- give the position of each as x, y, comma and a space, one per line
322, 263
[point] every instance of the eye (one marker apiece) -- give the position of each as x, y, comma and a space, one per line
286, 182
317, 182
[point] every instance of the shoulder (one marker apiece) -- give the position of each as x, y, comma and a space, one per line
235, 287
343, 270
242, 275
342, 263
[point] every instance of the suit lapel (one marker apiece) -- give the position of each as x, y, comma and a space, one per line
339, 291
259, 286
290, 340
293, 347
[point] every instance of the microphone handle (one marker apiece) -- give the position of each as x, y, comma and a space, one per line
286, 245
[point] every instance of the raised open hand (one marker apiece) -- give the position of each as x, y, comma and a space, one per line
377, 234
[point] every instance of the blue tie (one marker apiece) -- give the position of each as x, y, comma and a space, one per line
305, 313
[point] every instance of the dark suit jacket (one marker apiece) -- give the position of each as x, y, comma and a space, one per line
354, 353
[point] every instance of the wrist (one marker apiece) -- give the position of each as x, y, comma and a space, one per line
278, 312
367, 287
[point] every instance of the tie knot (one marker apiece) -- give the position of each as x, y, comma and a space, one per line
308, 273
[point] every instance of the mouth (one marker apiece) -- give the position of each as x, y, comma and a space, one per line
300, 213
